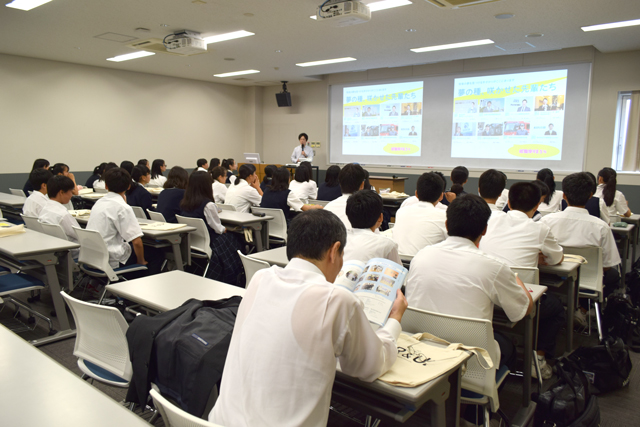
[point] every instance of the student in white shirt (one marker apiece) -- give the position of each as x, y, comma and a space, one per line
364, 210
302, 152
303, 186
99, 184
219, 175
351, 178
277, 195
201, 165
421, 224
62, 169
245, 191
614, 200
295, 319
38, 198
503, 199
230, 165
157, 170
490, 187
553, 201
60, 190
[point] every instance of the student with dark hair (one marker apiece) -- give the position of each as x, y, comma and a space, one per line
595, 205
169, 199
330, 189
219, 176
455, 277
127, 165
137, 195
552, 202
99, 184
38, 198
97, 172
157, 173
214, 163
280, 312
278, 195
302, 152
544, 192
351, 179
268, 175
60, 190
37, 164
63, 169
201, 165
367, 184
245, 191
230, 166
421, 224
490, 187
614, 200
364, 210
144, 162
303, 186
459, 177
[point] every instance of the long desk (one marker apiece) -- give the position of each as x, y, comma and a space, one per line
48, 252
628, 235
38, 391
635, 220
12, 204
259, 225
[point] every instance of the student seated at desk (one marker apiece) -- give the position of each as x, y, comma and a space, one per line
38, 198
99, 184
97, 172
544, 192
144, 162
614, 200
302, 185
214, 163
37, 164
595, 205
330, 189
114, 219
292, 326
60, 190
553, 200
277, 195
127, 165
490, 187
268, 176
459, 177
351, 179
219, 176
157, 174
201, 165
245, 191
421, 224
62, 169
137, 195
169, 199
364, 210
230, 165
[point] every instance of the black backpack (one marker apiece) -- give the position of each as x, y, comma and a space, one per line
621, 320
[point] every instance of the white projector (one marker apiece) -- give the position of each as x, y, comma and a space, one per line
186, 43
344, 13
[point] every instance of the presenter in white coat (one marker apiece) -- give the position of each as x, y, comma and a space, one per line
302, 152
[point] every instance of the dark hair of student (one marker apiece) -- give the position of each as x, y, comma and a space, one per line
546, 175
178, 178
40, 164
198, 190
312, 233
201, 162
227, 162
268, 172
491, 184
444, 179
429, 187
544, 188
215, 162
39, 176
156, 168
331, 176
143, 162
595, 182
117, 180
306, 137
364, 208
367, 184
98, 170
59, 183
218, 171
577, 188
467, 216
109, 165
244, 172
127, 165
350, 178
524, 196
302, 174
459, 175
280, 179
59, 169
608, 176
138, 172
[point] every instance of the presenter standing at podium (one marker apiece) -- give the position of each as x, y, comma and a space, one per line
302, 152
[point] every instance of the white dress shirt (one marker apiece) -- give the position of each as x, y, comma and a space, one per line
363, 245
292, 326
503, 199
57, 214
100, 185
417, 226
219, 191
554, 205
34, 203
201, 169
304, 190
294, 202
495, 211
242, 196
297, 153
517, 239
619, 205
212, 217
157, 181
114, 219
412, 200
576, 228
339, 207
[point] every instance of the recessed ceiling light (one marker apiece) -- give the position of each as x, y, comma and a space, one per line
26, 4
610, 25
128, 56
533, 35
410, 30
229, 59
142, 30
164, 25
453, 46
248, 14
381, 5
278, 51
227, 36
236, 73
504, 15
325, 61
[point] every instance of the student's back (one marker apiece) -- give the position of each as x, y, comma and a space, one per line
169, 203
351, 179
139, 196
328, 193
276, 200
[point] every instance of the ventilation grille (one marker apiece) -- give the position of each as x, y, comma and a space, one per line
155, 45
455, 4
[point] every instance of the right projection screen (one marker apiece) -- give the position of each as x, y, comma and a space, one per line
525, 120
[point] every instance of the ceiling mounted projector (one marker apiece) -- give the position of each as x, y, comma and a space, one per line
185, 42
340, 13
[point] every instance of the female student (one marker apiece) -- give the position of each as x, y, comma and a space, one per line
330, 189
279, 196
127, 165
144, 162
137, 195
367, 184
245, 191
37, 164
302, 185
459, 177
614, 200
552, 202
198, 203
230, 166
219, 175
97, 172
157, 170
169, 199
214, 163
99, 184
268, 176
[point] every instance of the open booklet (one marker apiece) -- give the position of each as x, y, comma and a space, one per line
376, 283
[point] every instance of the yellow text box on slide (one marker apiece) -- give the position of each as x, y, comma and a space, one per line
534, 151
401, 149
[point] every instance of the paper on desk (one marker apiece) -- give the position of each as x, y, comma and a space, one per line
575, 258
161, 226
395, 194
80, 212
8, 229
85, 191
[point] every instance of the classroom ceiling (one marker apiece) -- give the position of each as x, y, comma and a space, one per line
74, 31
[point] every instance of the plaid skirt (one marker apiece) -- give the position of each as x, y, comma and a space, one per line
225, 265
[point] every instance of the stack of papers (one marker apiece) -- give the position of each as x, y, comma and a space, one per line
8, 229
80, 212
395, 195
160, 226
85, 191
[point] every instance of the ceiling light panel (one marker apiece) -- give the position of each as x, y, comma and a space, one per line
453, 46
236, 73
325, 61
128, 56
612, 25
227, 36
26, 4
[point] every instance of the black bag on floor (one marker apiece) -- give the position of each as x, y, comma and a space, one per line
607, 365
621, 319
632, 282
590, 416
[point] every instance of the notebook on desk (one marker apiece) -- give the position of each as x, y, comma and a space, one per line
160, 226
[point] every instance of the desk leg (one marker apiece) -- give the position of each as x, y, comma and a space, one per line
528, 353
177, 255
625, 255
58, 302
571, 308
261, 236
634, 244
451, 404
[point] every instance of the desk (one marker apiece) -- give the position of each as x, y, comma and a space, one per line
259, 225
392, 203
12, 204
48, 252
60, 397
635, 220
93, 197
627, 234
277, 256
394, 184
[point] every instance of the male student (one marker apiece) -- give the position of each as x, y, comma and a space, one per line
60, 189
34, 203
351, 179
490, 186
421, 224
364, 210
292, 325
455, 277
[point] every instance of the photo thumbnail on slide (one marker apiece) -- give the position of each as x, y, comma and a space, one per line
382, 120
513, 116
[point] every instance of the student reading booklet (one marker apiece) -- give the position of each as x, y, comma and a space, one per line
376, 283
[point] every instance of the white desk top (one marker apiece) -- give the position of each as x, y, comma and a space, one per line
536, 291
241, 218
277, 256
154, 234
38, 391
563, 269
633, 219
623, 230
12, 200
33, 243
166, 291
93, 196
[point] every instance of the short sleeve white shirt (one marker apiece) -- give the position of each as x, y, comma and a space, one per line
100, 185
242, 196
212, 217
363, 245
34, 203
503, 199
417, 226
339, 208
157, 181
55, 213
219, 191
304, 190
409, 201
555, 203
297, 153
619, 205
294, 203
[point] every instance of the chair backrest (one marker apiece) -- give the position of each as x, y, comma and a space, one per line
471, 332
199, 239
278, 225
529, 275
251, 266
54, 230
100, 190
591, 272
226, 207
174, 416
31, 222
1, 214
139, 212
94, 252
101, 336
17, 192
318, 202
156, 216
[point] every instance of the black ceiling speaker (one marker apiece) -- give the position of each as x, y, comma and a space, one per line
284, 97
